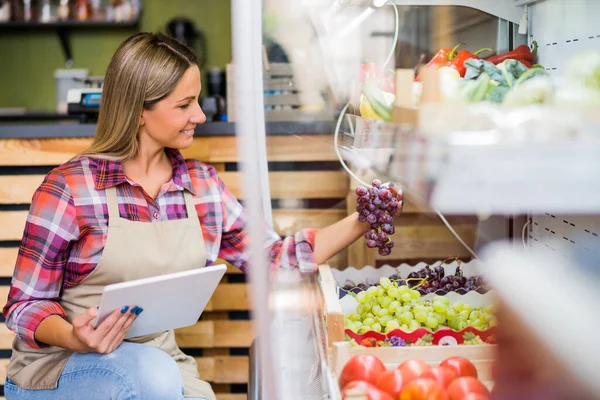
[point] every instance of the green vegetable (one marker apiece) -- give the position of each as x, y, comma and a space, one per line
381, 103
476, 67
532, 73
585, 69
534, 90
483, 85
497, 94
512, 70
476, 90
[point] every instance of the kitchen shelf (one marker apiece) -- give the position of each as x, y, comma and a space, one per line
63, 30
66, 24
478, 167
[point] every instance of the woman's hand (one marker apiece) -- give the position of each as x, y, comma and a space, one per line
398, 195
106, 337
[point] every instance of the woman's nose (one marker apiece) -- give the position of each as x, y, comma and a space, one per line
198, 116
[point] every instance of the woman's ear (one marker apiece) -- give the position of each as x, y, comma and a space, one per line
142, 122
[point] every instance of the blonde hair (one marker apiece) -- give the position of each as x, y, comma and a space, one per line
144, 70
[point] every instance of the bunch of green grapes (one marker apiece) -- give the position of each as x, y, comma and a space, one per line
462, 315
471, 339
388, 306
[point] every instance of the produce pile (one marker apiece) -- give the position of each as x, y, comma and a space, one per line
512, 79
365, 376
432, 280
388, 306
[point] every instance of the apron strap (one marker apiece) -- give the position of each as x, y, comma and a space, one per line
189, 205
112, 204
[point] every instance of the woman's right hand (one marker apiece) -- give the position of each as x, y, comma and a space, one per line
107, 336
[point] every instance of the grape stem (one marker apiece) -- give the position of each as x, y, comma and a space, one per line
450, 258
423, 280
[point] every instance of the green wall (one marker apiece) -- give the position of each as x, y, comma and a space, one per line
28, 59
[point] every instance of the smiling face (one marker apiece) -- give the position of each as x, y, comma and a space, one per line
171, 121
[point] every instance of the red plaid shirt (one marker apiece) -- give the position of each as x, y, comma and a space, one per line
67, 226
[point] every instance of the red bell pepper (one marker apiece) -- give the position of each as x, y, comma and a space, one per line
458, 63
441, 59
522, 52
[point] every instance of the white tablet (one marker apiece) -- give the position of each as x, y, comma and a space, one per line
169, 301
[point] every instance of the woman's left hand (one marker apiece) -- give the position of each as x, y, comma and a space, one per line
398, 195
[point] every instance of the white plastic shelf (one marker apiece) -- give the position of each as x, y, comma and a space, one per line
505, 9
483, 171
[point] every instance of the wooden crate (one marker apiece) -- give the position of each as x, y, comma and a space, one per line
333, 316
220, 340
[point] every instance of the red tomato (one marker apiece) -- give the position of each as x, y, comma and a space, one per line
358, 385
461, 365
475, 396
465, 385
423, 389
416, 368
443, 375
366, 393
362, 367
393, 381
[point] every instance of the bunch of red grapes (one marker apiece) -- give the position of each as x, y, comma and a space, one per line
378, 206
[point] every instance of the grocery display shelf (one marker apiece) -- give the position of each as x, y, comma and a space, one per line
480, 160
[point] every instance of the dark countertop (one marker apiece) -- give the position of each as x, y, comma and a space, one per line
72, 129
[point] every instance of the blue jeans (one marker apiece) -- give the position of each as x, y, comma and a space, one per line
131, 372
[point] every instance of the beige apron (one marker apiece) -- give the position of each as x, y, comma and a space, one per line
133, 250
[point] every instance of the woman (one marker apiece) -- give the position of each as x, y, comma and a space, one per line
92, 218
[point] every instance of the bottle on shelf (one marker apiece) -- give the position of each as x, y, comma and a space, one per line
83, 10
4, 10
98, 10
63, 11
123, 11
47, 12
27, 11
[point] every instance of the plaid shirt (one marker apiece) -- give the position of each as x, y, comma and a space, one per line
67, 225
